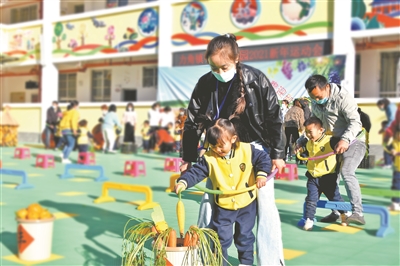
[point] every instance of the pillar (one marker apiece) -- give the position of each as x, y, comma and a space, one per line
342, 41
49, 78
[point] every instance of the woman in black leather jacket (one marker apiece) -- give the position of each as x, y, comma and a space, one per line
243, 94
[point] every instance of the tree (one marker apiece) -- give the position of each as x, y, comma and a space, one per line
60, 36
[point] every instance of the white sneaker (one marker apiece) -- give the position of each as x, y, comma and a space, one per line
308, 225
394, 206
66, 161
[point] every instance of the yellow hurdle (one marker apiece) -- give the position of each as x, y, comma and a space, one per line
172, 181
142, 205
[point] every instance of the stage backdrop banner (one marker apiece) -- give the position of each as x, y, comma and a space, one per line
175, 84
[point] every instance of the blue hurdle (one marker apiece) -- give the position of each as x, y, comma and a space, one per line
99, 168
24, 183
383, 230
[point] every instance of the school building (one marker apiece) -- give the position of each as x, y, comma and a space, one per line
119, 51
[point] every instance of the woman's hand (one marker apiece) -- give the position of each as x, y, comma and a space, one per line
185, 166
278, 163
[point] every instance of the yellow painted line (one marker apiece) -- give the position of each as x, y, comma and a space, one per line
342, 229
284, 201
15, 259
80, 180
197, 193
381, 179
290, 254
9, 185
7, 153
63, 215
394, 213
34, 175
71, 193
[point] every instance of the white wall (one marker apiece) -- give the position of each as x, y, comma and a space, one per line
122, 77
17, 84
370, 67
369, 73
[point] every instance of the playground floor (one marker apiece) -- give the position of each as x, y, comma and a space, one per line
86, 233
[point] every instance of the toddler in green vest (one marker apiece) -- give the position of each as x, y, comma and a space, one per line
231, 165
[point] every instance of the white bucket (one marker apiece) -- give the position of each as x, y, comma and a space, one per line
176, 255
34, 239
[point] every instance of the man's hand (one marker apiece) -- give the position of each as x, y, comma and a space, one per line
261, 182
278, 163
341, 147
179, 187
185, 166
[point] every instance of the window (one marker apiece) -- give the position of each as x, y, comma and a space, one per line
79, 9
357, 78
67, 87
389, 74
23, 14
101, 85
150, 77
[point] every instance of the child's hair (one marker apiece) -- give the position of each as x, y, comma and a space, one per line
104, 107
313, 120
285, 101
146, 122
220, 128
83, 123
384, 123
170, 124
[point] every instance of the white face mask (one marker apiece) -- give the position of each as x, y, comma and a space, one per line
225, 76
104, 112
182, 113
130, 109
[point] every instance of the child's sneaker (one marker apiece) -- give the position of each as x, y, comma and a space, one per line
343, 218
308, 225
394, 206
66, 161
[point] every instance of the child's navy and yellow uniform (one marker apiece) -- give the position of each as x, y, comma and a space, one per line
396, 168
234, 172
321, 174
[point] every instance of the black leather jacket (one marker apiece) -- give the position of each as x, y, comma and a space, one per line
262, 110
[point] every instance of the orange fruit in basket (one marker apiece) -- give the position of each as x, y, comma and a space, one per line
21, 214
33, 215
45, 214
35, 207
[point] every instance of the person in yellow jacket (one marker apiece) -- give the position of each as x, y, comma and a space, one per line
69, 129
321, 173
231, 165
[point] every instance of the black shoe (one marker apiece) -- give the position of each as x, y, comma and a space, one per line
331, 218
355, 218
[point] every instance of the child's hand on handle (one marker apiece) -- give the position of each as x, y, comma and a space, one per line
261, 182
179, 187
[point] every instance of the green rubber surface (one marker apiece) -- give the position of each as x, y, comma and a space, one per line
93, 235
